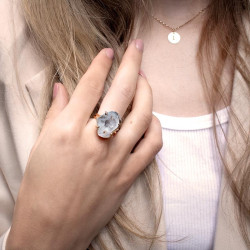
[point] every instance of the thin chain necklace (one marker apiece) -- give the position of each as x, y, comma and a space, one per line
174, 37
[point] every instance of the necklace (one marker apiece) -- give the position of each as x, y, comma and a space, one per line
174, 37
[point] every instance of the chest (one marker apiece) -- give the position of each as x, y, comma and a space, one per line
173, 72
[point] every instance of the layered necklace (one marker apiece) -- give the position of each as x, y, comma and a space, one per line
174, 37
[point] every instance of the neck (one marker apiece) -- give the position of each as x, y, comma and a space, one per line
178, 10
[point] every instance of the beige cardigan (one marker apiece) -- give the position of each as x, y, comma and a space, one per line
19, 129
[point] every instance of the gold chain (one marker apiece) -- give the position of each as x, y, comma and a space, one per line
178, 27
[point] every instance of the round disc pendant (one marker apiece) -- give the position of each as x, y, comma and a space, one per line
174, 37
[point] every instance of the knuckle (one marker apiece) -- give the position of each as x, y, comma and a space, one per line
97, 150
146, 118
111, 172
156, 124
126, 91
144, 161
100, 150
125, 181
156, 135
95, 86
156, 143
67, 133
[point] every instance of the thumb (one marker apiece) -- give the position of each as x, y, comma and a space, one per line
60, 101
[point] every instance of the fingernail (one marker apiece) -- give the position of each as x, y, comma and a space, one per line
139, 44
141, 73
110, 53
55, 90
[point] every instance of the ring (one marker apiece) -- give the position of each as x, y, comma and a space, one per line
108, 124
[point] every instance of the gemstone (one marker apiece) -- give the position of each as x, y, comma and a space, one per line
108, 124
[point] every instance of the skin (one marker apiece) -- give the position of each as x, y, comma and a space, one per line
102, 174
96, 174
179, 93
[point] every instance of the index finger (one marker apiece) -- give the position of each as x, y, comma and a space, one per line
90, 87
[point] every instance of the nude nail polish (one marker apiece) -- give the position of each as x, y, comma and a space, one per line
139, 44
141, 73
110, 53
55, 90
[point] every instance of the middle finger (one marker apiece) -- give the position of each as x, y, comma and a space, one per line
123, 87
138, 120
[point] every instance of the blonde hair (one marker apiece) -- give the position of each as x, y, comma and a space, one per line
70, 33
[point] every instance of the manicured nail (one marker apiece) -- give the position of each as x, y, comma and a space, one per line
139, 44
55, 90
141, 73
110, 53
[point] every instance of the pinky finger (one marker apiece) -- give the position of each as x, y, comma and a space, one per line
144, 152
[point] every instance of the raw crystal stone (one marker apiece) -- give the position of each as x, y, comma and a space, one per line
108, 124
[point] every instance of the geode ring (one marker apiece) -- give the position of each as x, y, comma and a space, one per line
108, 124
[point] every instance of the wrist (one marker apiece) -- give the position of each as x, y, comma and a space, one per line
21, 238
44, 239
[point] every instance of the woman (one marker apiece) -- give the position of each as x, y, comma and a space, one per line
74, 180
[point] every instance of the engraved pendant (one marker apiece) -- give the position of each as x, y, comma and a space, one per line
174, 37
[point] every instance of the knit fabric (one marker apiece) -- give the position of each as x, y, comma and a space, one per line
190, 168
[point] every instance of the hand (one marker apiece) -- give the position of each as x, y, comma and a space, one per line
74, 180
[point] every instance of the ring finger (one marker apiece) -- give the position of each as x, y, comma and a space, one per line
138, 121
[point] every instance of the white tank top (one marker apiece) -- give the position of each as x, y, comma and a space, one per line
190, 169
